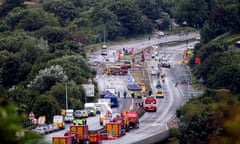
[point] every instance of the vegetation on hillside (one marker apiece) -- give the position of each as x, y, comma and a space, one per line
213, 117
43, 51
43, 46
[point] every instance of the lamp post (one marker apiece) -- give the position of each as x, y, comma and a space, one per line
66, 95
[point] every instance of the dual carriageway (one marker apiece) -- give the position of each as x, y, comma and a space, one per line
153, 125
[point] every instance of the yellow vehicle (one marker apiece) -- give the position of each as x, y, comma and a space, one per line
58, 120
159, 94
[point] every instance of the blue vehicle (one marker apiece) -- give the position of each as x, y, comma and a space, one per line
112, 97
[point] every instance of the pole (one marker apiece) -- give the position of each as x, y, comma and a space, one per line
66, 96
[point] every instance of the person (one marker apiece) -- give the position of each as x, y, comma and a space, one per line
176, 84
132, 94
118, 93
124, 94
158, 74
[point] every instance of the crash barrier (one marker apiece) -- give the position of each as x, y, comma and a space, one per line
154, 139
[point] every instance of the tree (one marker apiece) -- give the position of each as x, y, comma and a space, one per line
226, 77
61, 8
8, 5
129, 16
47, 78
11, 125
52, 34
150, 8
10, 71
193, 12
105, 18
46, 105
36, 19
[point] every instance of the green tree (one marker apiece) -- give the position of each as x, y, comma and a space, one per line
62, 8
10, 71
36, 19
104, 18
46, 105
52, 34
151, 8
191, 11
11, 125
8, 5
129, 16
226, 77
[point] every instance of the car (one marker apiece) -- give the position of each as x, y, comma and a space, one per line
159, 94
165, 65
153, 72
104, 52
91, 111
190, 47
41, 130
157, 58
153, 55
164, 58
53, 127
81, 114
158, 85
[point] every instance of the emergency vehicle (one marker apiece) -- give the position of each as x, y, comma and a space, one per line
150, 103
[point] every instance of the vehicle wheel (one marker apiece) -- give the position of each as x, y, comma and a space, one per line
127, 128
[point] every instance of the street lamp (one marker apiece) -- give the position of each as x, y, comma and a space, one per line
66, 95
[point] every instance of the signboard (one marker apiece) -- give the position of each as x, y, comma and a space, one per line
41, 120
89, 89
131, 80
31, 115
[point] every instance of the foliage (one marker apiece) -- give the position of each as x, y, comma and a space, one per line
46, 105
226, 77
206, 125
223, 18
194, 13
10, 125
61, 8
47, 78
8, 5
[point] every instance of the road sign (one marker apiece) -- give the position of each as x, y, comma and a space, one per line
31, 115
89, 89
41, 120
131, 80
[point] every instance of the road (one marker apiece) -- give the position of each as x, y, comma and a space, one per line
151, 124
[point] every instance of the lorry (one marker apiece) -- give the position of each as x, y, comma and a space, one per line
133, 119
62, 140
90, 108
69, 116
124, 121
113, 98
114, 129
150, 103
58, 120
80, 132
128, 120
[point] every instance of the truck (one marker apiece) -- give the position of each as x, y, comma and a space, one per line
69, 116
133, 119
150, 103
124, 121
63, 140
90, 108
95, 138
59, 121
81, 133
113, 98
114, 129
